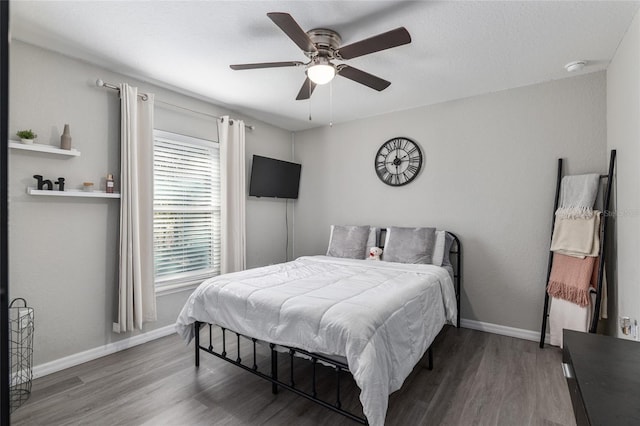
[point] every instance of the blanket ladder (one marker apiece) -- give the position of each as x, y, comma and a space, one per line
603, 236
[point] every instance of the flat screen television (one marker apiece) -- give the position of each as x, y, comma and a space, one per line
274, 178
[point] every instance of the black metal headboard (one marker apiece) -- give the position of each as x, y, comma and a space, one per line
455, 256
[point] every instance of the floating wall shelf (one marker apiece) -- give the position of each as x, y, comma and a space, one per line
49, 149
72, 193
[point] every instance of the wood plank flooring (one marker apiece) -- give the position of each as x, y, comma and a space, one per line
478, 379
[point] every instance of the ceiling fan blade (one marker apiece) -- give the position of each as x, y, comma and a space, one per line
362, 77
265, 65
306, 90
293, 30
383, 41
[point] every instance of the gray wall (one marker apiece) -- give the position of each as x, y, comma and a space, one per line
623, 134
63, 252
489, 176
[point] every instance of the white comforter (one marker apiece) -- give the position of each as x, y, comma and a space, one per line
380, 316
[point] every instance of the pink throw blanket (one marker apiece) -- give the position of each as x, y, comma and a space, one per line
571, 278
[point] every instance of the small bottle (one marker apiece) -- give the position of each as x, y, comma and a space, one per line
109, 183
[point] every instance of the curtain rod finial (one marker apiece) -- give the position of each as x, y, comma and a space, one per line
99, 82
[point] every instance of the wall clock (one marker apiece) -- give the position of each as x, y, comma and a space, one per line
398, 161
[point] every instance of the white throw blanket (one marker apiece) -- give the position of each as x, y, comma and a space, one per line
380, 316
577, 237
564, 314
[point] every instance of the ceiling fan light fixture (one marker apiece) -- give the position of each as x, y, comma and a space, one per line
321, 72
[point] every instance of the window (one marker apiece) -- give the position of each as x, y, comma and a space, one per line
186, 213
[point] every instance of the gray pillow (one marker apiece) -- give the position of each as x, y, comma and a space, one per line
409, 245
348, 241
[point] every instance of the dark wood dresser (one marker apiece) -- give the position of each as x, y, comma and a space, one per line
603, 375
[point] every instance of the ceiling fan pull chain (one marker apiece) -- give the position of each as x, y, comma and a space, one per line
331, 104
309, 103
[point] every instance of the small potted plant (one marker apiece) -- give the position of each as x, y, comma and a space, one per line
26, 136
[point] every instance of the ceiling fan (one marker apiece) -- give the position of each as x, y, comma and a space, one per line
321, 46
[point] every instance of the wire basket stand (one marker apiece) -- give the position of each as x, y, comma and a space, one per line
20, 352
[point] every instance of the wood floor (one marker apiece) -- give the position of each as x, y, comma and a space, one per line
478, 379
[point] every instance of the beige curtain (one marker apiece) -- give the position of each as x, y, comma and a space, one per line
233, 195
136, 295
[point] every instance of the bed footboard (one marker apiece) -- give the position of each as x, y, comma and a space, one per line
272, 376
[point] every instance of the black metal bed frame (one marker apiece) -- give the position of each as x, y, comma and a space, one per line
293, 353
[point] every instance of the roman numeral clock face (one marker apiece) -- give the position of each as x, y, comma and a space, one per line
398, 161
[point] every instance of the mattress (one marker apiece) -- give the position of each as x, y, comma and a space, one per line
380, 316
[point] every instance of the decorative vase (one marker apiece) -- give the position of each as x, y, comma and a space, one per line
27, 141
65, 139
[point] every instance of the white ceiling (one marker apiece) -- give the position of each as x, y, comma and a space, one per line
458, 49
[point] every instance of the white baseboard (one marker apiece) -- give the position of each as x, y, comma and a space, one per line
108, 349
503, 330
99, 352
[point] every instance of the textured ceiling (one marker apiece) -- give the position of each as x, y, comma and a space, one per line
459, 49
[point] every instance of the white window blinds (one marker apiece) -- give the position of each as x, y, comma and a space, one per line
186, 222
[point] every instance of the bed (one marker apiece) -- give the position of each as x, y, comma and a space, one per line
373, 319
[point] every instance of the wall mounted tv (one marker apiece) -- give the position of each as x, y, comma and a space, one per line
274, 178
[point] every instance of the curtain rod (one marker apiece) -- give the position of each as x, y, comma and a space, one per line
144, 97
